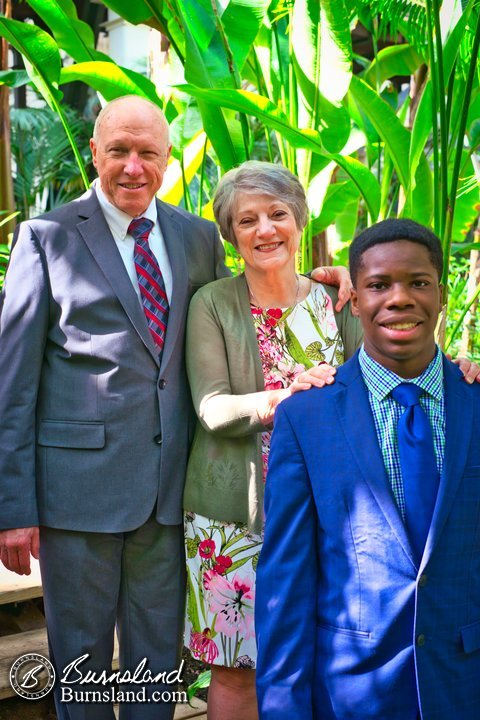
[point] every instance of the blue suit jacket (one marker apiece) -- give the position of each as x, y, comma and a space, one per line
348, 626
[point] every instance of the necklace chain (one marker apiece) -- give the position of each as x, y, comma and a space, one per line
257, 304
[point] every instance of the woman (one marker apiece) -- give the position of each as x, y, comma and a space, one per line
251, 341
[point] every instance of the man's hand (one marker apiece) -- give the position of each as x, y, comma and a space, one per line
470, 370
16, 546
337, 276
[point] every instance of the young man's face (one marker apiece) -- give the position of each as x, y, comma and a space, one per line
398, 298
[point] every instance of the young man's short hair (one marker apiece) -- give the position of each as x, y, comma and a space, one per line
390, 230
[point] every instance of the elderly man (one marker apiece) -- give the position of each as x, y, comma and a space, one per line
95, 409
95, 405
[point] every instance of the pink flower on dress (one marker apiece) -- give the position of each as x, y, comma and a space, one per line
203, 647
233, 601
222, 563
273, 381
290, 371
330, 316
206, 549
207, 576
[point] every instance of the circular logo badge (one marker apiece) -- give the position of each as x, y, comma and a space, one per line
32, 676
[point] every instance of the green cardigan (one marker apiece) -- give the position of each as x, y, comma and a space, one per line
224, 475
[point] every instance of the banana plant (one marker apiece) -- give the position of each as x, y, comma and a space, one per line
43, 62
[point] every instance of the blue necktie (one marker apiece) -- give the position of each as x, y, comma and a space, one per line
418, 464
150, 282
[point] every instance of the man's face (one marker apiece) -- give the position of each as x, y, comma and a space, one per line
398, 298
130, 154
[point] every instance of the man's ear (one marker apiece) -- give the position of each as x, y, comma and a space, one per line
93, 148
354, 302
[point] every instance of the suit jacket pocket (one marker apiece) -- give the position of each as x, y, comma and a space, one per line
345, 631
71, 434
471, 637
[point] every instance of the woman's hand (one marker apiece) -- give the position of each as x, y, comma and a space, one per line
338, 276
318, 376
470, 370
313, 377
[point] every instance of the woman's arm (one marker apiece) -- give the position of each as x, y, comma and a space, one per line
213, 367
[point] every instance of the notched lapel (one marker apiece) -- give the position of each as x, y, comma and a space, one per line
458, 432
98, 238
172, 231
355, 412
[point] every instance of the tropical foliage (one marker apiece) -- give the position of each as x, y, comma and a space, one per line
275, 79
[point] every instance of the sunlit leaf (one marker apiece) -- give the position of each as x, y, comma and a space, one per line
110, 80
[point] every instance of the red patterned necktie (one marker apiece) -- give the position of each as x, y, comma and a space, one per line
150, 281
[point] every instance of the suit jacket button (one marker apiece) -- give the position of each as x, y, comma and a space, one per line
420, 640
158, 439
422, 581
162, 383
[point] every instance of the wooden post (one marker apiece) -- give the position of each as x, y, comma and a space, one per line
7, 201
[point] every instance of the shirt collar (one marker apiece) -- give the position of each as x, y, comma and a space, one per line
117, 220
380, 381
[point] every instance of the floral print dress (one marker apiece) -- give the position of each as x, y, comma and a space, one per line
222, 557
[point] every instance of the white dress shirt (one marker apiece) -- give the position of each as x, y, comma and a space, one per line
118, 222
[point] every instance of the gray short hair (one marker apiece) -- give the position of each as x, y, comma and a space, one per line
258, 178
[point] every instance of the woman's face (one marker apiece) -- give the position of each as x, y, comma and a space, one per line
266, 232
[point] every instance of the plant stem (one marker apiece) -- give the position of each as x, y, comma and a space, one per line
71, 139
447, 239
460, 320
435, 91
443, 120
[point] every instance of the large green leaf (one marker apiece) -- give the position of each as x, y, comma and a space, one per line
466, 212
322, 49
137, 11
242, 21
110, 80
392, 61
338, 196
71, 34
395, 136
323, 71
209, 62
261, 108
14, 78
422, 125
40, 53
155, 13
42, 62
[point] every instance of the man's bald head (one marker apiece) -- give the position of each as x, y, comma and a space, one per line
129, 102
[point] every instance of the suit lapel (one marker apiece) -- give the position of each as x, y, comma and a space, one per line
97, 236
355, 413
172, 231
458, 431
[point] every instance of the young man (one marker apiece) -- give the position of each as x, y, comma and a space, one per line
368, 585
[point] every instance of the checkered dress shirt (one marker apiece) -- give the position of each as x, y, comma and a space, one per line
386, 412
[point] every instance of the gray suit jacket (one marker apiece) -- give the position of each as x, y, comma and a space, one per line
93, 431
